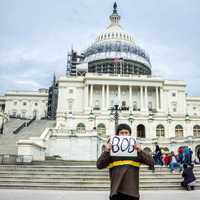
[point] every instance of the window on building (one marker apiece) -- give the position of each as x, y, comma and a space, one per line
70, 105
135, 105
160, 131
196, 131
36, 104
80, 128
71, 91
178, 131
173, 94
24, 103
123, 103
101, 130
150, 106
174, 106
97, 103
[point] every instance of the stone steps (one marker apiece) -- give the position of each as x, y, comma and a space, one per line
8, 140
143, 181
86, 187
83, 177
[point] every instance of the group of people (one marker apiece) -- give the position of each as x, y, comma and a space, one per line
183, 156
124, 171
182, 161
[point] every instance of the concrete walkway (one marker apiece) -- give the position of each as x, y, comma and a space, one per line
11, 194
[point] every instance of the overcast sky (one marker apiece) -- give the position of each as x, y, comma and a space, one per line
36, 35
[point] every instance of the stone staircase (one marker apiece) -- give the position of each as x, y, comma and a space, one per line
12, 124
8, 139
83, 176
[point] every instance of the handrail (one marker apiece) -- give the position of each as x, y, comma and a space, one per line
33, 119
19, 128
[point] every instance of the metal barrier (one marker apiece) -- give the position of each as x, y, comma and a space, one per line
8, 159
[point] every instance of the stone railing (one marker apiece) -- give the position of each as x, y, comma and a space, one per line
10, 159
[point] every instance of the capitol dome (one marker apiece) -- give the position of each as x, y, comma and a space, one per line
115, 51
114, 32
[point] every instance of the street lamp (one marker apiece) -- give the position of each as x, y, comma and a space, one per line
93, 117
115, 113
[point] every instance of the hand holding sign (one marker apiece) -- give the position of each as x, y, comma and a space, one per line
108, 147
124, 146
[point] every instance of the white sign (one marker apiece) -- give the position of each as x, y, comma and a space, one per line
123, 146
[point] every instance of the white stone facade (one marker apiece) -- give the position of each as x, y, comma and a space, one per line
27, 104
146, 97
157, 110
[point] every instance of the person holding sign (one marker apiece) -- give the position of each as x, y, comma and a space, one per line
123, 156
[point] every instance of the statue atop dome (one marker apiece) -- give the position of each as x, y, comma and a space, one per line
115, 8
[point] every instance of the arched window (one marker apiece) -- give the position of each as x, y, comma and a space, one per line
141, 131
196, 131
80, 128
178, 131
160, 131
101, 130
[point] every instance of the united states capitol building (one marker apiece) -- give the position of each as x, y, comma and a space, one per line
114, 72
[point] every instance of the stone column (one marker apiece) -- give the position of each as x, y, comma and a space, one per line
161, 99
103, 97
91, 96
130, 98
141, 98
146, 99
157, 100
86, 96
107, 97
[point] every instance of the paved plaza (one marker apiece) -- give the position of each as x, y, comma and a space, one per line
13, 194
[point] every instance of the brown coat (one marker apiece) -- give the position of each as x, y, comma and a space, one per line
124, 179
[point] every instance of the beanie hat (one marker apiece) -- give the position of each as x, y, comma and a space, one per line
123, 126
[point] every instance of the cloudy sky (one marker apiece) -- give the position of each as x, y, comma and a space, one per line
36, 35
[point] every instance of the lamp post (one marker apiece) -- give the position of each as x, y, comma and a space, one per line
93, 117
115, 112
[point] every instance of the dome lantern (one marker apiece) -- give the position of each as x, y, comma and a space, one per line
115, 18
